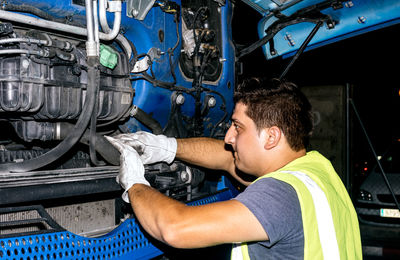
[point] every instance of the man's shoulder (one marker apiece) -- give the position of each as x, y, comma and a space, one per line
268, 187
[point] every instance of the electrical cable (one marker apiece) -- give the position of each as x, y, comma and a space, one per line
171, 50
163, 84
309, 14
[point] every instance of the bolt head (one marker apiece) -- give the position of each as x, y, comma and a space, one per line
180, 99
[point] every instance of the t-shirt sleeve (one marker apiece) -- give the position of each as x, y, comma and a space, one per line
276, 206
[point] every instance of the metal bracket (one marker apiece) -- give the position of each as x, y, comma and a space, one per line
114, 6
138, 8
144, 64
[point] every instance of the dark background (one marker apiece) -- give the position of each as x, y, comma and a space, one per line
368, 63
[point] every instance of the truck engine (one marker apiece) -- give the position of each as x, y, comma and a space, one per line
72, 72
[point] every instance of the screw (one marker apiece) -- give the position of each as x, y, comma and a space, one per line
134, 12
290, 40
349, 4
361, 19
212, 102
25, 64
184, 176
180, 99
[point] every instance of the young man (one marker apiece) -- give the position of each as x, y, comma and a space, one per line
297, 208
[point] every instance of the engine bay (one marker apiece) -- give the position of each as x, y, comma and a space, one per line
68, 78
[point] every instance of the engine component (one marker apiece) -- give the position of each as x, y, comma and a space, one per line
201, 40
176, 180
53, 85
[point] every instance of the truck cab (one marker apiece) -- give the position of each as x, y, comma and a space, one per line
73, 71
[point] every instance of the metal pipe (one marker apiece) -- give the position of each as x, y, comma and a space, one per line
33, 21
91, 49
27, 40
103, 18
123, 42
89, 20
302, 48
21, 51
96, 28
348, 181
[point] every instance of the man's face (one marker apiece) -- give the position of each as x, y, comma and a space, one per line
246, 141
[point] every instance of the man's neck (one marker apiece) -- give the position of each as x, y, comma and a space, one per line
283, 158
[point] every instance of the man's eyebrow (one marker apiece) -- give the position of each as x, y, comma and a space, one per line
236, 121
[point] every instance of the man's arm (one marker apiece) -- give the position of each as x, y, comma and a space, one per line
205, 152
184, 226
208, 153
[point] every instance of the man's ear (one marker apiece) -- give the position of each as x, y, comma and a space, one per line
273, 136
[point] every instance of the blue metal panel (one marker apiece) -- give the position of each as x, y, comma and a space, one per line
156, 101
125, 242
356, 17
144, 35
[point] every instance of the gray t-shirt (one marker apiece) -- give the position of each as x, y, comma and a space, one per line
276, 206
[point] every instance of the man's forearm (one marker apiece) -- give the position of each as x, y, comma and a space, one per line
182, 226
150, 207
205, 152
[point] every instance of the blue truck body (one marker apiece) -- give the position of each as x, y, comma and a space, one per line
169, 69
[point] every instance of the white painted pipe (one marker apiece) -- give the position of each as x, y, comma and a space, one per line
117, 18
96, 27
91, 47
65, 28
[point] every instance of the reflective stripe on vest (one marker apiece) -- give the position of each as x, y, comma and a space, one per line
326, 228
240, 252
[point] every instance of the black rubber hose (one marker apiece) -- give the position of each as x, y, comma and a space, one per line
93, 123
74, 136
147, 120
104, 148
102, 145
38, 12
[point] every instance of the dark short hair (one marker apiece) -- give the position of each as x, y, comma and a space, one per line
277, 103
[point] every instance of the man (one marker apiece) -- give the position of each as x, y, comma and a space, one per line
296, 209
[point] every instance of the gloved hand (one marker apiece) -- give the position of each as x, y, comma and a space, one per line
151, 148
131, 167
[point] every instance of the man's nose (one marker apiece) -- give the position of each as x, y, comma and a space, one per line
230, 136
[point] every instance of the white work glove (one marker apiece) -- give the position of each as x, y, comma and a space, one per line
151, 148
131, 167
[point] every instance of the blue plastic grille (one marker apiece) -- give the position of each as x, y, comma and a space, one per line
125, 242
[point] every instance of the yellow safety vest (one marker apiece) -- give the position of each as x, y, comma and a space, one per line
330, 222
